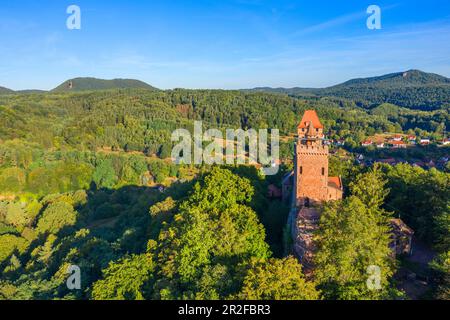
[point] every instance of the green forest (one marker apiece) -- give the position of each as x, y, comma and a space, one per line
413, 89
86, 179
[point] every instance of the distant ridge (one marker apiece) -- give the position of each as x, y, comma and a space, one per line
5, 90
30, 91
412, 89
401, 79
92, 84
289, 91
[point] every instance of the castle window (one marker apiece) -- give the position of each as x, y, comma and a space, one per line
323, 171
301, 170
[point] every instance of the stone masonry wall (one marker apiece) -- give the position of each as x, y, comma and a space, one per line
312, 173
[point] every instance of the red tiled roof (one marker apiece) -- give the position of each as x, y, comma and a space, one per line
335, 182
397, 142
310, 116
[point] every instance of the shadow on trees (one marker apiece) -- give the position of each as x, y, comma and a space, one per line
110, 224
115, 223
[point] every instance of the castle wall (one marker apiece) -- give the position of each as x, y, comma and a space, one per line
334, 194
311, 173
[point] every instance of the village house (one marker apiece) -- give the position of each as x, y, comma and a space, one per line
308, 186
398, 144
412, 139
380, 145
395, 142
425, 142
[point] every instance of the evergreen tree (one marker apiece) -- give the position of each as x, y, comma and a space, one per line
353, 243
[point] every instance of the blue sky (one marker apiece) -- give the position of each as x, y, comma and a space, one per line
220, 44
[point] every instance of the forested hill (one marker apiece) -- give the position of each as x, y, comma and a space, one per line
409, 78
297, 91
30, 91
5, 90
80, 185
89, 84
142, 120
411, 89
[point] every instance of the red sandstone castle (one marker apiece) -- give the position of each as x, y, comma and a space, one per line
309, 185
313, 185
309, 181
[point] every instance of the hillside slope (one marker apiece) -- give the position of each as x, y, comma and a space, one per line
91, 84
5, 90
411, 89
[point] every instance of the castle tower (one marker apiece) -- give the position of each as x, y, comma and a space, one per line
311, 182
311, 187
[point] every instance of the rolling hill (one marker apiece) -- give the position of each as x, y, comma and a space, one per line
409, 78
92, 84
411, 89
288, 91
5, 90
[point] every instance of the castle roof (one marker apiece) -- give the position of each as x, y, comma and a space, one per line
335, 182
310, 116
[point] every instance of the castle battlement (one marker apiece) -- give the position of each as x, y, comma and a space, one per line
313, 147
